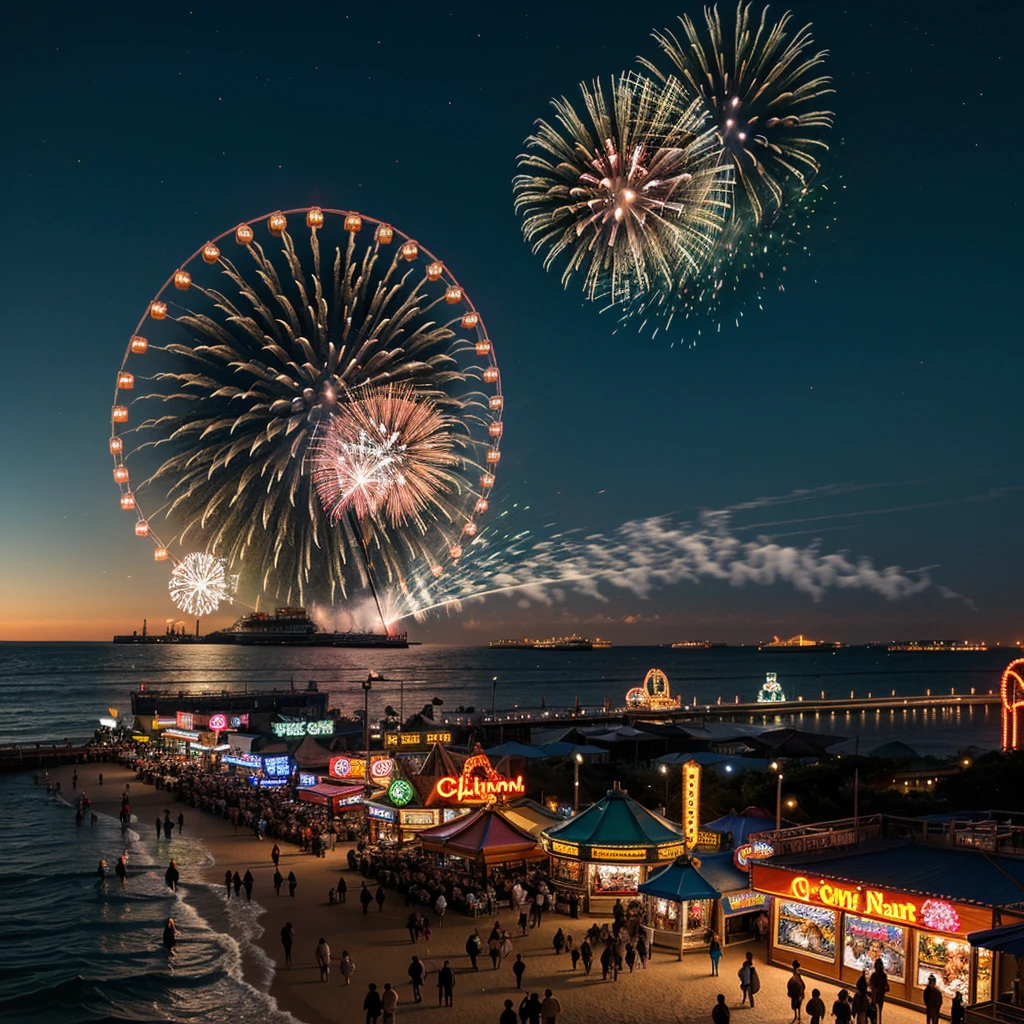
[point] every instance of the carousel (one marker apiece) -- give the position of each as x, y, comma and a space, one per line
607, 851
482, 839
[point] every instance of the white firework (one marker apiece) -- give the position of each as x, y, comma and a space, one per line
200, 582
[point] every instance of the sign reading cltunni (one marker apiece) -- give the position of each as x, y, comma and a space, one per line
324, 727
479, 783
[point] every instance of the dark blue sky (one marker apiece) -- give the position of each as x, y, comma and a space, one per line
893, 357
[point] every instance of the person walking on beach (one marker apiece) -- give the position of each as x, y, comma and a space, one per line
519, 969
287, 939
388, 1001
445, 984
815, 1006
236, 882
440, 906
323, 959
159, 827
121, 870
181, 822
508, 1015
278, 882
371, 1004
416, 977
275, 855
247, 881
227, 882
586, 955
171, 876
932, 1001
474, 947
348, 967
720, 1012
879, 983
550, 1008
170, 936
342, 889
795, 989
366, 898
529, 1009
292, 882
715, 953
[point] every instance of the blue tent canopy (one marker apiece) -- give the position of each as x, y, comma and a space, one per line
513, 749
1007, 939
679, 882
741, 826
569, 749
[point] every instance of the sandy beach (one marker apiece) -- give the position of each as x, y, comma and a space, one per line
379, 943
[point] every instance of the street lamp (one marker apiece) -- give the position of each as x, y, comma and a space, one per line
494, 687
778, 808
663, 768
367, 684
576, 762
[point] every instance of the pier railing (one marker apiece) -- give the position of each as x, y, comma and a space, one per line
997, 834
823, 835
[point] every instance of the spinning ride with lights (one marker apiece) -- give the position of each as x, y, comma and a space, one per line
322, 412
654, 694
1011, 697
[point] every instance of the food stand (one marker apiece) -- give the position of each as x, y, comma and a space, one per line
481, 839
680, 905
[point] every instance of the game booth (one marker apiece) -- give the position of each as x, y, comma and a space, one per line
681, 905
608, 850
481, 839
337, 799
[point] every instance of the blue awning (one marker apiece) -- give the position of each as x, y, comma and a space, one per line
679, 882
1007, 939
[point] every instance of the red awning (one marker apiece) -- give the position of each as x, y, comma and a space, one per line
486, 835
327, 795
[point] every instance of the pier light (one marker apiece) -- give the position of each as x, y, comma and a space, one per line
138, 344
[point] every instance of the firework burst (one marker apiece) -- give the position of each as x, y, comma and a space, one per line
632, 192
386, 453
200, 583
760, 86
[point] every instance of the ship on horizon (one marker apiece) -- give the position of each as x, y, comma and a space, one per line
697, 645
798, 643
936, 646
554, 643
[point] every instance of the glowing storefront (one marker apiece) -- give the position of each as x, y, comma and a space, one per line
910, 907
609, 849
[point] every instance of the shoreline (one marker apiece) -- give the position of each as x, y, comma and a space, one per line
380, 947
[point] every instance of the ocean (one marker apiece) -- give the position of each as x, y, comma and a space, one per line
52, 691
78, 951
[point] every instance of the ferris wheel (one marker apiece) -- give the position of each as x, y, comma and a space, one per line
321, 411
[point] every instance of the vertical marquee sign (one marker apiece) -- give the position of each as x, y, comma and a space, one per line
691, 803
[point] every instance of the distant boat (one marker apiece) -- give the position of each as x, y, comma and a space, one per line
941, 646
695, 645
292, 626
798, 643
555, 643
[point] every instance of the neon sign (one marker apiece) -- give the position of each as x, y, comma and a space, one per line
184, 720
243, 760
633, 853
759, 850
873, 902
218, 723
691, 802
739, 902
400, 792
278, 766
325, 727
382, 767
308, 780
472, 788
382, 813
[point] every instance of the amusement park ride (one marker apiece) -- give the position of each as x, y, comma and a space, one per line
654, 694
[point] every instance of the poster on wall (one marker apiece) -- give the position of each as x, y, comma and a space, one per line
808, 930
948, 959
616, 878
866, 941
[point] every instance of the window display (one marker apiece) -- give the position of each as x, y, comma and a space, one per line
614, 878
666, 915
866, 941
809, 930
567, 870
983, 984
948, 959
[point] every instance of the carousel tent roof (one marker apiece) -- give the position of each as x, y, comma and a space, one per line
514, 749
311, 754
485, 834
679, 882
740, 826
530, 816
616, 820
439, 763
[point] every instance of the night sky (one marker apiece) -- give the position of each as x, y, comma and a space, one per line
888, 372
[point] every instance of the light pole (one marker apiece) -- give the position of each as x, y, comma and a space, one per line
778, 809
663, 768
494, 687
577, 760
367, 684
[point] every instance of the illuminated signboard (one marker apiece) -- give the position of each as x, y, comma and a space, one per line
182, 734
218, 723
244, 760
237, 721
267, 783
292, 730
381, 813
603, 853
400, 792
348, 801
163, 723
277, 766
184, 720
415, 739
873, 902
759, 850
308, 780
473, 788
566, 849
744, 902
691, 802
671, 852
382, 768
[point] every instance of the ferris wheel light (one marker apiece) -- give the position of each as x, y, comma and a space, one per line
120, 474
278, 223
487, 480
138, 344
437, 570
471, 320
142, 528
482, 505
353, 223
455, 551
453, 295
469, 529
158, 310
435, 270
116, 446
496, 402
244, 234
495, 429
385, 234
491, 374
125, 381
127, 502
493, 456
314, 217
160, 555
119, 413
483, 347
182, 280
210, 253
410, 251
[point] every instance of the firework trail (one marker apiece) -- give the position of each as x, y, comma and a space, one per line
633, 193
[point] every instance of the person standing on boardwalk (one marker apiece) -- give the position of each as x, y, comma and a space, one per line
348, 967
247, 881
815, 1006
879, 983
236, 882
366, 898
74, 779
494, 950
171, 876
388, 1001
474, 947
932, 1001
795, 989
586, 955
323, 959
529, 1009
720, 1013
440, 906
342, 889
508, 1015
416, 977
371, 1004
445, 985
519, 969
292, 882
287, 939
715, 953
841, 1008
181, 822
380, 897
558, 941
275, 855
278, 882
550, 1008
745, 974
956, 1009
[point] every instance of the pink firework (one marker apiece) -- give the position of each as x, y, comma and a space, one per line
388, 452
